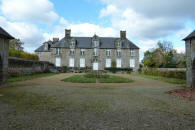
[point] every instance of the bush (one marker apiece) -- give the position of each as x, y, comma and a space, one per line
24, 55
114, 69
166, 73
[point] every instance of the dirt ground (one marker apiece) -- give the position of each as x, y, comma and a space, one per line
49, 103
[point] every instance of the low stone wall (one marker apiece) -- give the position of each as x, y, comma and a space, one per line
18, 67
172, 69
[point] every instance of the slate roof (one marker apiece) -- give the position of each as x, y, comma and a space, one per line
41, 48
192, 35
4, 34
85, 43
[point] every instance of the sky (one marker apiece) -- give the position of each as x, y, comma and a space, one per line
146, 21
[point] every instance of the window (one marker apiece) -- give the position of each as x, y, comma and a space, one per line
71, 51
82, 52
95, 52
132, 63
118, 52
108, 52
118, 44
82, 62
132, 52
58, 51
71, 62
58, 62
72, 43
46, 46
95, 43
118, 63
39, 54
108, 63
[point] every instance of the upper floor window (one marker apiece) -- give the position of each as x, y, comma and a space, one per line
71, 51
46, 46
95, 43
118, 52
108, 52
118, 44
72, 43
82, 52
39, 54
95, 52
132, 52
58, 51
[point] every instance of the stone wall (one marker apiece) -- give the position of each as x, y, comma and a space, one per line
18, 67
172, 69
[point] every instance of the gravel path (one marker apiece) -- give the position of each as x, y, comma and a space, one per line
49, 103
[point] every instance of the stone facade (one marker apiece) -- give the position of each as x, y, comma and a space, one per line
60, 52
4, 46
190, 60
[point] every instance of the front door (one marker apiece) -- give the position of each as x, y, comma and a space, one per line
95, 66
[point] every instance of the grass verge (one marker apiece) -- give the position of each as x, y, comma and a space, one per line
79, 79
115, 79
165, 79
27, 77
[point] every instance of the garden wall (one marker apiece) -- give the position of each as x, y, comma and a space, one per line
18, 67
172, 69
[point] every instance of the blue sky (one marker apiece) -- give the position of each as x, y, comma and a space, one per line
145, 21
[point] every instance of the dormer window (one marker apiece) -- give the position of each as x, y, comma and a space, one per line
95, 43
118, 44
46, 46
72, 43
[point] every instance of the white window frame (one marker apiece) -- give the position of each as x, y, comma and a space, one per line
39, 54
108, 63
72, 43
132, 52
72, 51
95, 51
95, 43
82, 52
108, 52
118, 63
58, 51
118, 44
71, 62
82, 62
118, 53
46, 46
132, 63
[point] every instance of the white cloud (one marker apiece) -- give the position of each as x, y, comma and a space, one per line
36, 10
109, 10
28, 33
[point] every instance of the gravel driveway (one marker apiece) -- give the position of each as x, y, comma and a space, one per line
49, 103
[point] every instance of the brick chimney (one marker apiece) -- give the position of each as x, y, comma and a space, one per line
67, 33
123, 35
55, 40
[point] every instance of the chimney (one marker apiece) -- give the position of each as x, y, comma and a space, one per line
55, 40
67, 33
123, 35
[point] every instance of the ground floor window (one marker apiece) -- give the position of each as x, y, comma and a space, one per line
108, 63
82, 62
71, 62
58, 62
118, 63
132, 63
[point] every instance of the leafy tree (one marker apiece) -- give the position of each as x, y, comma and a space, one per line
16, 44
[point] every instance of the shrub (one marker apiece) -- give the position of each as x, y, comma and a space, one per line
114, 69
24, 55
96, 75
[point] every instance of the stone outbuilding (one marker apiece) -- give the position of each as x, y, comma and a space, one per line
4, 47
190, 59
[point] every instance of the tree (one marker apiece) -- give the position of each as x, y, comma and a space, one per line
16, 44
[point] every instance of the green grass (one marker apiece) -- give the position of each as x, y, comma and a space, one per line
115, 79
165, 79
107, 79
27, 77
80, 79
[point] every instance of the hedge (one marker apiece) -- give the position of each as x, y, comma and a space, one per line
114, 69
21, 54
166, 73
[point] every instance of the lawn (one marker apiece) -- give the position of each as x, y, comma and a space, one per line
165, 79
91, 78
79, 79
27, 77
